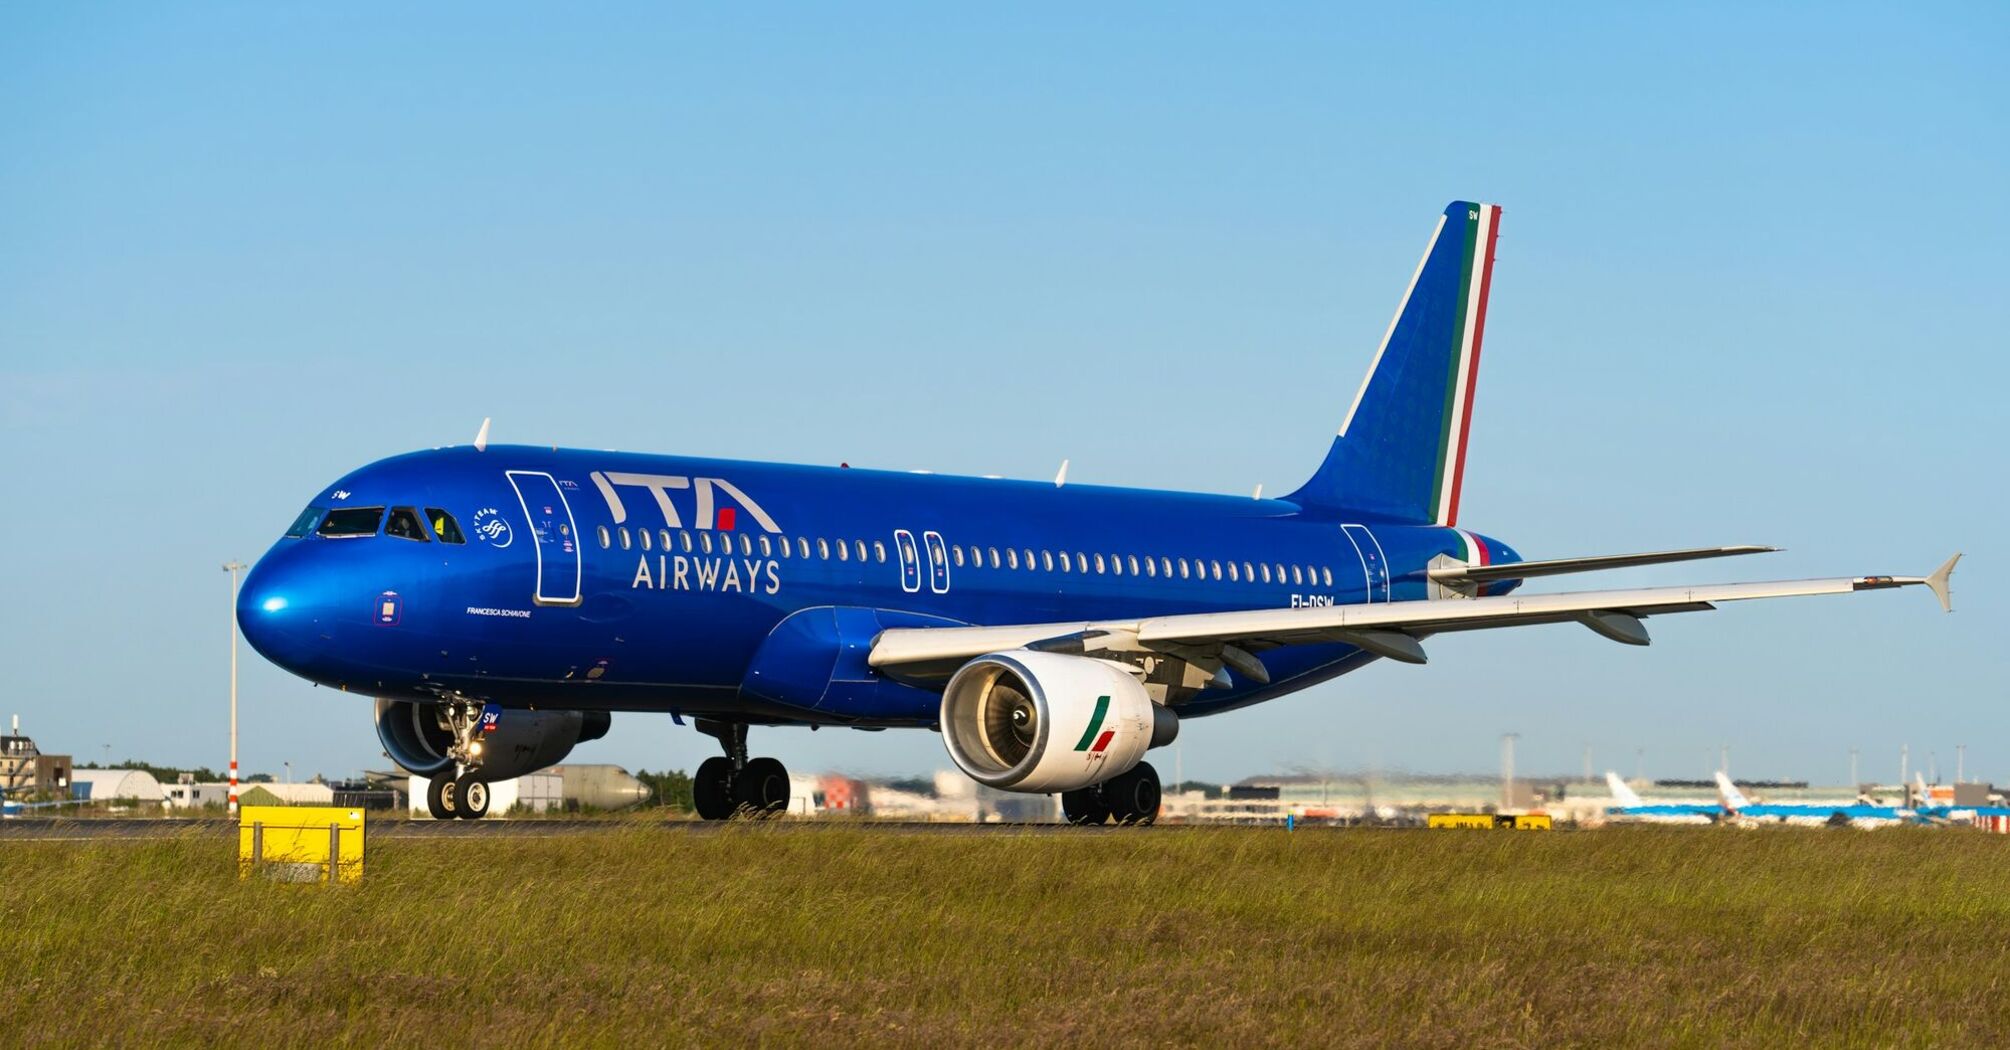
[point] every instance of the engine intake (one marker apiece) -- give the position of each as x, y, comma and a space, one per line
1041, 722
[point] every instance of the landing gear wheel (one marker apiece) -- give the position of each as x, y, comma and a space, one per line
1085, 806
473, 796
712, 789
440, 797
1133, 796
761, 789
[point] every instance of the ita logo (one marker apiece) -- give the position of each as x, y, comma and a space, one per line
491, 528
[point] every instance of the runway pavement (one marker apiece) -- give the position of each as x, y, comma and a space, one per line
58, 829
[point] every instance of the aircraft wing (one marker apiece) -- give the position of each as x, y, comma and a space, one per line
1391, 629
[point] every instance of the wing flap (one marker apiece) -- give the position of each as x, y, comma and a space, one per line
1523, 570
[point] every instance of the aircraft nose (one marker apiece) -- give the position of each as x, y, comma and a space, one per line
276, 612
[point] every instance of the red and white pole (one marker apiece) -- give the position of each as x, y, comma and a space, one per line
233, 568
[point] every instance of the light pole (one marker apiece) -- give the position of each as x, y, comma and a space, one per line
233, 568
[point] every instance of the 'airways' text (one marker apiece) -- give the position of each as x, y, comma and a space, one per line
676, 572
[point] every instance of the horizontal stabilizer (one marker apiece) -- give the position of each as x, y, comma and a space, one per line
1451, 575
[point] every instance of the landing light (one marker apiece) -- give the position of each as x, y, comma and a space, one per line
273, 604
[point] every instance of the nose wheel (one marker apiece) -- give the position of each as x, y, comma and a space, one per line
734, 785
465, 796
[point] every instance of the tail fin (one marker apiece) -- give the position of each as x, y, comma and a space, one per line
1401, 452
1621, 794
1733, 798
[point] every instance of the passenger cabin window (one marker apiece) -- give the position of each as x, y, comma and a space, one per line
644, 537
1326, 575
445, 528
803, 546
1066, 565
879, 551
684, 540
1011, 558
663, 537
404, 524
824, 550
625, 541
304, 524
765, 551
1047, 560
844, 552
351, 521
956, 554
606, 540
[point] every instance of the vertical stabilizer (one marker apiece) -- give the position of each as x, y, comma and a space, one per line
1733, 798
1621, 794
1401, 451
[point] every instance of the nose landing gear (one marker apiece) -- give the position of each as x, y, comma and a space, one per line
735, 785
465, 795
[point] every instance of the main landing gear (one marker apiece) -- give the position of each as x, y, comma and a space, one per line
1131, 797
465, 795
735, 785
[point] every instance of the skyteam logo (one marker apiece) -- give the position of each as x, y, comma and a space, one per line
491, 529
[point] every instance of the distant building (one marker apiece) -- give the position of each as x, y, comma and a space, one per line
26, 771
268, 794
189, 793
116, 785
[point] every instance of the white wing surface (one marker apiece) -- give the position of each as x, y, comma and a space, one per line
1391, 629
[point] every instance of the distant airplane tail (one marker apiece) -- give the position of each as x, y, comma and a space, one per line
1401, 452
1621, 794
1733, 798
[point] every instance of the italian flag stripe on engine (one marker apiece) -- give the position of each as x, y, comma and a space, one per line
1095, 723
1475, 281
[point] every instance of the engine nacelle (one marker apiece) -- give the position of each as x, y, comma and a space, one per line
1040, 722
522, 742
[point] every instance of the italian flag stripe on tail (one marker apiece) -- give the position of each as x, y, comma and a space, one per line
1476, 280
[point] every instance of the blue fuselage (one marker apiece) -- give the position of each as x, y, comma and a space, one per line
751, 591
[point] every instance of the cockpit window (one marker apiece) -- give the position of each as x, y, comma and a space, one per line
351, 521
404, 524
304, 524
444, 525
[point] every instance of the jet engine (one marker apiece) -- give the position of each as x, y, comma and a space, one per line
1040, 722
522, 742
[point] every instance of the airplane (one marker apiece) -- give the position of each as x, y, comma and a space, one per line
1630, 807
500, 603
1860, 814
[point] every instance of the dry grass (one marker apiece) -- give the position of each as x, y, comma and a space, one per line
855, 935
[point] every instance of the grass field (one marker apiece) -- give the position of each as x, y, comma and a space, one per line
857, 935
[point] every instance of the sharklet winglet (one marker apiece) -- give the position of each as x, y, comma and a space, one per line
482, 436
1937, 583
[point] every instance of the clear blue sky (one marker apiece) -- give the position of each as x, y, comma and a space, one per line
1751, 288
